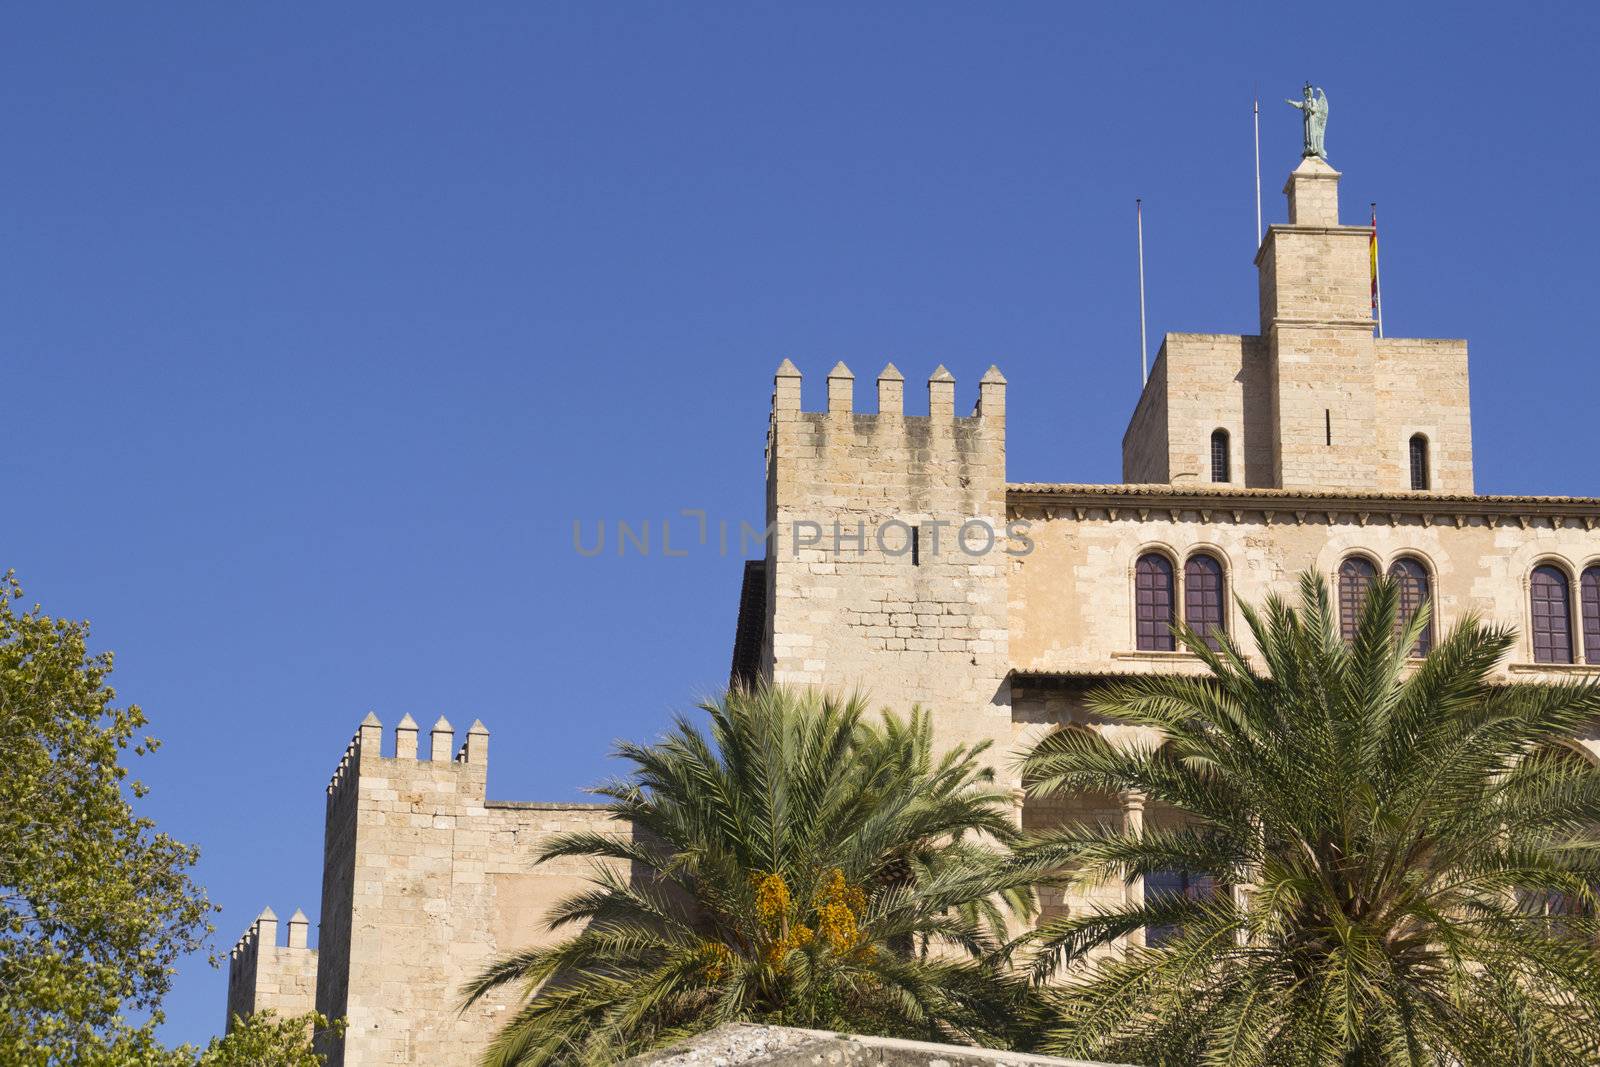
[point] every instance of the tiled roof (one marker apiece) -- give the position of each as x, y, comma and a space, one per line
1164, 490
1202, 495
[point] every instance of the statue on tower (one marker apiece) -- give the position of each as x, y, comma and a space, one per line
1314, 113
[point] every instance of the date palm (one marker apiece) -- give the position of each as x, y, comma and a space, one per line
1389, 842
800, 863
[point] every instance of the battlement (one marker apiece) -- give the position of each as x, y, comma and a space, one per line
848, 466
424, 881
991, 403
365, 750
886, 554
263, 974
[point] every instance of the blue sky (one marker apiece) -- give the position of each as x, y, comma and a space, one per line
323, 323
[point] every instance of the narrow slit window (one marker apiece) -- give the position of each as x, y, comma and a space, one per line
1419, 463
1327, 425
916, 546
1220, 471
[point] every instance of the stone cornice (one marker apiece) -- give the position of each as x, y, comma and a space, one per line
1285, 227
1288, 322
1300, 507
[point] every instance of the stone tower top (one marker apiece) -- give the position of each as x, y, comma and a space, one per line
1313, 192
1313, 401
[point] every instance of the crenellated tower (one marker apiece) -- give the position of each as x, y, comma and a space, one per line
886, 560
425, 882
266, 976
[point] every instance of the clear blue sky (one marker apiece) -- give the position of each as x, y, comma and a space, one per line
323, 322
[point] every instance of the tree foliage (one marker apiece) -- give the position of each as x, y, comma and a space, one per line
801, 865
1391, 840
265, 1040
95, 904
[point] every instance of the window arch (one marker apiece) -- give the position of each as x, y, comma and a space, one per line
1220, 460
1356, 575
1590, 592
1157, 884
1419, 462
1550, 602
1411, 576
1153, 603
1205, 597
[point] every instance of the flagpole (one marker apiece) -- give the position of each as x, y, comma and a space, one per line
1377, 274
1144, 349
1258, 171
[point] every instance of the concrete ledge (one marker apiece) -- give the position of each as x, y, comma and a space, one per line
738, 1044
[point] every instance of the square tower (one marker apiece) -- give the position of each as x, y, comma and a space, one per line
1314, 401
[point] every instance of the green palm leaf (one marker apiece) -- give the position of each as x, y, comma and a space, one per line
797, 861
1388, 838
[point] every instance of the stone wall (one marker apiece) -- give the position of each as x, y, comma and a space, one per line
1203, 383
1072, 607
886, 567
1422, 388
266, 976
425, 883
1146, 446
749, 1044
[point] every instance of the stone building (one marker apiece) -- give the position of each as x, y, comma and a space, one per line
900, 560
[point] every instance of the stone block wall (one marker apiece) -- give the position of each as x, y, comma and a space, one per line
1072, 608
266, 976
425, 883
1422, 388
1204, 383
1326, 408
1146, 455
886, 564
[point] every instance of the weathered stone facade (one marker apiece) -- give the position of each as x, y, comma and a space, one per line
266, 976
901, 562
425, 881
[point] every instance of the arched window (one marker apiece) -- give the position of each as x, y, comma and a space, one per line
1591, 614
1219, 457
1203, 597
1356, 575
1552, 615
1412, 578
1153, 603
1158, 884
1419, 462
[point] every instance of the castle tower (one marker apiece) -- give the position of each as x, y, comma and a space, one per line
266, 976
1314, 401
425, 883
886, 564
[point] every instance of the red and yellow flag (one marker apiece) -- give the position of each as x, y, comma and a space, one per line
1372, 248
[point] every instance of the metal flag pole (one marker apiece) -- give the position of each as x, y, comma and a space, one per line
1258, 172
1377, 277
1144, 349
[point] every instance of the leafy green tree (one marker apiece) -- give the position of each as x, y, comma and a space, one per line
800, 865
1389, 840
95, 905
264, 1040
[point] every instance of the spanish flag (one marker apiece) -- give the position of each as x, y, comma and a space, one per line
1372, 248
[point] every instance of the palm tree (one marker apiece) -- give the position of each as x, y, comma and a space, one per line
1404, 856
801, 864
